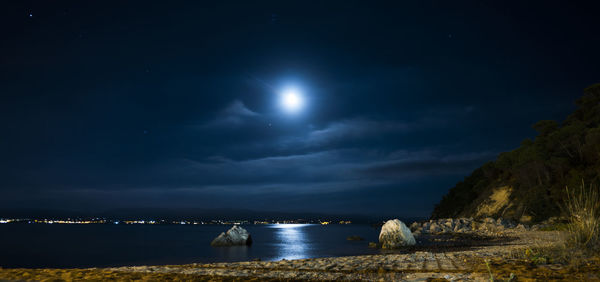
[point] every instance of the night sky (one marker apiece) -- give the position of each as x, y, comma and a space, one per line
108, 105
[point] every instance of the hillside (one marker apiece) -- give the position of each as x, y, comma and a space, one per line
528, 183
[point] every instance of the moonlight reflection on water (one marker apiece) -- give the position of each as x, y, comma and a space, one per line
294, 244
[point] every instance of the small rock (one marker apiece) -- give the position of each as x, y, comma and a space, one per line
234, 236
434, 228
520, 227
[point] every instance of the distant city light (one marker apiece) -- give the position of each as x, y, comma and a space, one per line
292, 223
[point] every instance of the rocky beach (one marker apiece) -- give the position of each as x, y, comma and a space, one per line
446, 249
300, 141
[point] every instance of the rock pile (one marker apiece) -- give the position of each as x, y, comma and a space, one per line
235, 236
465, 225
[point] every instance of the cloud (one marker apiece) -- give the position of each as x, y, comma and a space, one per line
303, 168
237, 108
343, 132
335, 176
354, 129
318, 172
371, 132
405, 164
235, 114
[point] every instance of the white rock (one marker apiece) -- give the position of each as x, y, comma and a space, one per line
234, 236
395, 234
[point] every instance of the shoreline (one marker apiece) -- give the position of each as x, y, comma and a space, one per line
449, 260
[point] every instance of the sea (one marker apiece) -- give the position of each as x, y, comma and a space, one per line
104, 245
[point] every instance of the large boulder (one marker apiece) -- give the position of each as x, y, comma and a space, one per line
394, 234
236, 236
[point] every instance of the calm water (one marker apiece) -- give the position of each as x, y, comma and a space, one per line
45, 245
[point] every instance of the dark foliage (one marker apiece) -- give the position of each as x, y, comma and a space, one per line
539, 170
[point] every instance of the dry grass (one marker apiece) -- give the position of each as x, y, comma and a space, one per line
583, 209
501, 269
577, 259
582, 233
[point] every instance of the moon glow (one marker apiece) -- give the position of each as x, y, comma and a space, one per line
291, 100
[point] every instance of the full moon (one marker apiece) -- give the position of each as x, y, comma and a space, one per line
291, 100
